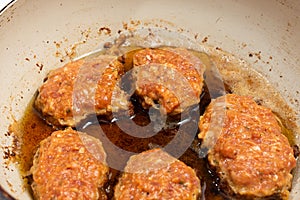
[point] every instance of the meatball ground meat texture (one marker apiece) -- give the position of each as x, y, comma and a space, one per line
154, 174
69, 165
251, 155
80, 88
171, 76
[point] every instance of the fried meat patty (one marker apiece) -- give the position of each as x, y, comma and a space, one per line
171, 76
69, 165
154, 174
80, 88
251, 155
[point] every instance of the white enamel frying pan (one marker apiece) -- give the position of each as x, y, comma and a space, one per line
36, 36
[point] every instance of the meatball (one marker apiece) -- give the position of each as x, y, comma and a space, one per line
173, 77
69, 165
154, 174
251, 155
80, 88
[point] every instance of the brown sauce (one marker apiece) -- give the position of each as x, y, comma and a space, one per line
32, 129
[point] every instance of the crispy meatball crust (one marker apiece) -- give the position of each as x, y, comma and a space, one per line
69, 165
174, 65
154, 174
251, 154
84, 87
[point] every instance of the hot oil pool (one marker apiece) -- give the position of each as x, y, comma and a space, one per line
238, 77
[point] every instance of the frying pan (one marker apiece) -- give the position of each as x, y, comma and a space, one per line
37, 36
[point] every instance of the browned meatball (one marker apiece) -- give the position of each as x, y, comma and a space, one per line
69, 165
154, 174
171, 76
80, 88
251, 155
